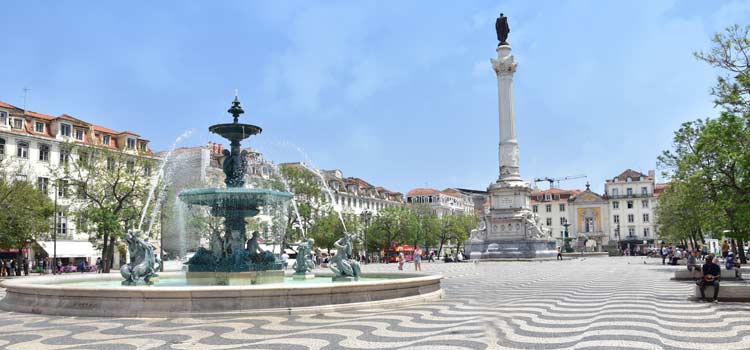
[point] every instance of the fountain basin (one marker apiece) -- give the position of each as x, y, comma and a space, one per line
58, 295
235, 201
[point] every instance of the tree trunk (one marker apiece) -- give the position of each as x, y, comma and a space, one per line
105, 268
741, 252
111, 253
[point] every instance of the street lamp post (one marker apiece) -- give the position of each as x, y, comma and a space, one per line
366, 215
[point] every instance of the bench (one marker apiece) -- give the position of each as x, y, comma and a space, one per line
684, 274
728, 291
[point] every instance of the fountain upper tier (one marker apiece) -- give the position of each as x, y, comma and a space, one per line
235, 131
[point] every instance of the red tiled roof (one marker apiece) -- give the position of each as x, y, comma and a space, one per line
659, 188
72, 119
38, 115
630, 173
361, 183
129, 133
103, 129
7, 105
452, 192
422, 192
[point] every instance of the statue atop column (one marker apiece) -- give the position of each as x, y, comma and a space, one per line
502, 29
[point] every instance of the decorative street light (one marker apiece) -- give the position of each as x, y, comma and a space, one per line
366, 216
566, 244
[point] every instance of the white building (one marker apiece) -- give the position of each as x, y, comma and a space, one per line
445, 202
552, 208
33, 145
623, 215
632, 198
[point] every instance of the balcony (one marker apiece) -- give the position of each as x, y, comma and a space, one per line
634, 195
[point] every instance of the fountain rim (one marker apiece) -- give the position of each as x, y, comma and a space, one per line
44, 285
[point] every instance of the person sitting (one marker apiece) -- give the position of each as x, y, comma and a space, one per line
711, 274
692, 265
732, 264
676, 256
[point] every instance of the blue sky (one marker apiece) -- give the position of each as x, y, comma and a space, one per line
399, 93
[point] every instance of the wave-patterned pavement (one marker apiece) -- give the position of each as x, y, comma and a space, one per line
595, 303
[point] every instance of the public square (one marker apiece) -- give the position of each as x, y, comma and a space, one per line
583, 303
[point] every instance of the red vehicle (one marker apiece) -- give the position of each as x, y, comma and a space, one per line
391, 254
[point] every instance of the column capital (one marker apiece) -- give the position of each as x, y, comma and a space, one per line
505, 64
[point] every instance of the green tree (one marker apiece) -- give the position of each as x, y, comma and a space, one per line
113, 185
25, 214
393, 225
328, 228
711, 154
307, 193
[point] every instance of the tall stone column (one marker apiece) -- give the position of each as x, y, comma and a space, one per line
505, 67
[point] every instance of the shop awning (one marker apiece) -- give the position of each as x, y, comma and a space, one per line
69, 249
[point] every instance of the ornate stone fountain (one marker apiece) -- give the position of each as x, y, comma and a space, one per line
232, 258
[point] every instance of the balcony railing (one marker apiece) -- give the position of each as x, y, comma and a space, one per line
634, 195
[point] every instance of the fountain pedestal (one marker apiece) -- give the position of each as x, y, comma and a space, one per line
234, 278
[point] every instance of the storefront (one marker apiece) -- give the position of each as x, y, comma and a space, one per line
68, 252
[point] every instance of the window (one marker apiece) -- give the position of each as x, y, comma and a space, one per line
17, 123
563, 221
42, 183
631, 231
110, 163
562, 207
39, 127
79, 134
64, 156
2, 148
548, 208
131, 144
549, 221
81, 191
23, 150
62, 189
65, 129
615, 192
535, 208
143, 147
645, 217
645, 232
615, 205
130, 165
547, 197
631, 218
644, 203
644, 191
147, 172
82, 223
3, 118
105, 140
44, 153
630, 191
630, 204
83, 158
62, 223
616, 219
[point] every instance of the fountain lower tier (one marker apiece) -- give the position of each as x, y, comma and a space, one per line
231, 251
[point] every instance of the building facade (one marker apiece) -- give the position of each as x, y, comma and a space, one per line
632, 198
34, 146
446, 202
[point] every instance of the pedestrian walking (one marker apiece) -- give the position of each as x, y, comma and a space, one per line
559, 253
401, 261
